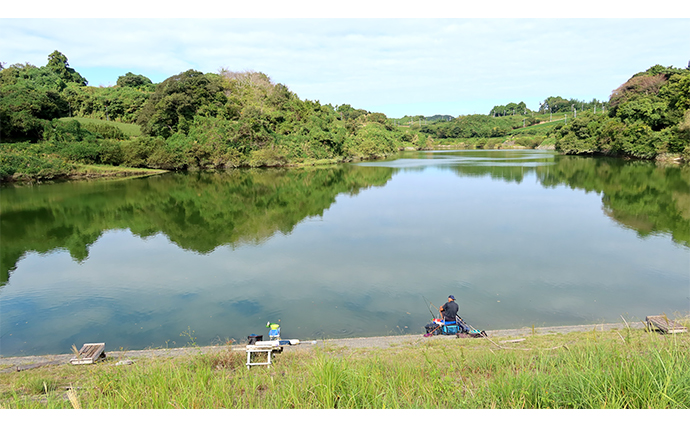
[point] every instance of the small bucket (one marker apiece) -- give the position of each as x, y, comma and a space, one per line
253, 338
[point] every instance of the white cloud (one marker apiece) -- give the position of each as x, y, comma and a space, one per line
449, 66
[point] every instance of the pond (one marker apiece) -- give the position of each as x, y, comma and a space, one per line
521, 238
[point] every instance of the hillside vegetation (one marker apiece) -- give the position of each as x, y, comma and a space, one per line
649, 116
52, 123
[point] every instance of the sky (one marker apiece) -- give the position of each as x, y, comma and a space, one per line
378, 58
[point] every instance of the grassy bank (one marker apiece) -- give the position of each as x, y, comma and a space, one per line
613, 369
128, 129
82, 171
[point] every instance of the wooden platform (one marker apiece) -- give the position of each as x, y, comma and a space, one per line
89, 353
664, 324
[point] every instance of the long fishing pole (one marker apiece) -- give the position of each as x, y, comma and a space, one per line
428, 306
429, 333
437, 309
473, 330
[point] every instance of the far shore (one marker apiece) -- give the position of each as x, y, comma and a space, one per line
18, 363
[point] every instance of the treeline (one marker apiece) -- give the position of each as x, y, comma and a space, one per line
192, 120
552, 104
196, 120
503, 120
33, 96
510, 109
649, 115
646, 117
477, 126
420, 119
557, 104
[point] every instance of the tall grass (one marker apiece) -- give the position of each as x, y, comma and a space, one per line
586, 370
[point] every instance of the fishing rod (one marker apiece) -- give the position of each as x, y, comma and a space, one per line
437, 309
473, 330
428, 306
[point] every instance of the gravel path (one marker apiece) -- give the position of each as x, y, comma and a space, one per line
9, 364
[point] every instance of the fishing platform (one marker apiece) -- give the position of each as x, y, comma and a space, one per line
89, 353
664, 324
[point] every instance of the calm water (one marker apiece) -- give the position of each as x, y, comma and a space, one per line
521, 238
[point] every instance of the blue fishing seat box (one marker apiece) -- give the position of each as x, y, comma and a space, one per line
450, 328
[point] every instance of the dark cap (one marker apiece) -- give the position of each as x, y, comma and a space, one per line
451, 297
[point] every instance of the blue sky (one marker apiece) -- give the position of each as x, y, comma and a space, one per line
397, 65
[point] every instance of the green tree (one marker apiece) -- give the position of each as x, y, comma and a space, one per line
347, 112
172, 107
25, 109
133, 80
647, 118
555, 104
57, 62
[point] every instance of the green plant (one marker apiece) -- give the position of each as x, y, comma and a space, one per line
189, 333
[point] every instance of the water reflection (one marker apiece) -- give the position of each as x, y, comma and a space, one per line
637, 194
352, 250
196, 211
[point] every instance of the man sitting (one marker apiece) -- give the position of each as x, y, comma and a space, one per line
449, 310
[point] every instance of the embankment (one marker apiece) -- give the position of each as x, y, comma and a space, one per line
8, 364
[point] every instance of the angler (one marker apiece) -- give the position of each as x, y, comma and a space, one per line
450, 323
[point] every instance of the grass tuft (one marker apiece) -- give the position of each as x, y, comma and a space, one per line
588, 370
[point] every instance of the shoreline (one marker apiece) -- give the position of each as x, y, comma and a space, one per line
91, 172
20, 363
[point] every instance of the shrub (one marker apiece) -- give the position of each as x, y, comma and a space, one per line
105, 130
136, 151
167, 156
81, 151
369, 141
110, 152
272, 156
66, 131
16, 165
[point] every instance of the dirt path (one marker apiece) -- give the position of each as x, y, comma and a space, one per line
9, 364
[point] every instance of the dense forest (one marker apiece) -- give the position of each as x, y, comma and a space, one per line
52, 123
192, 120
649, 115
